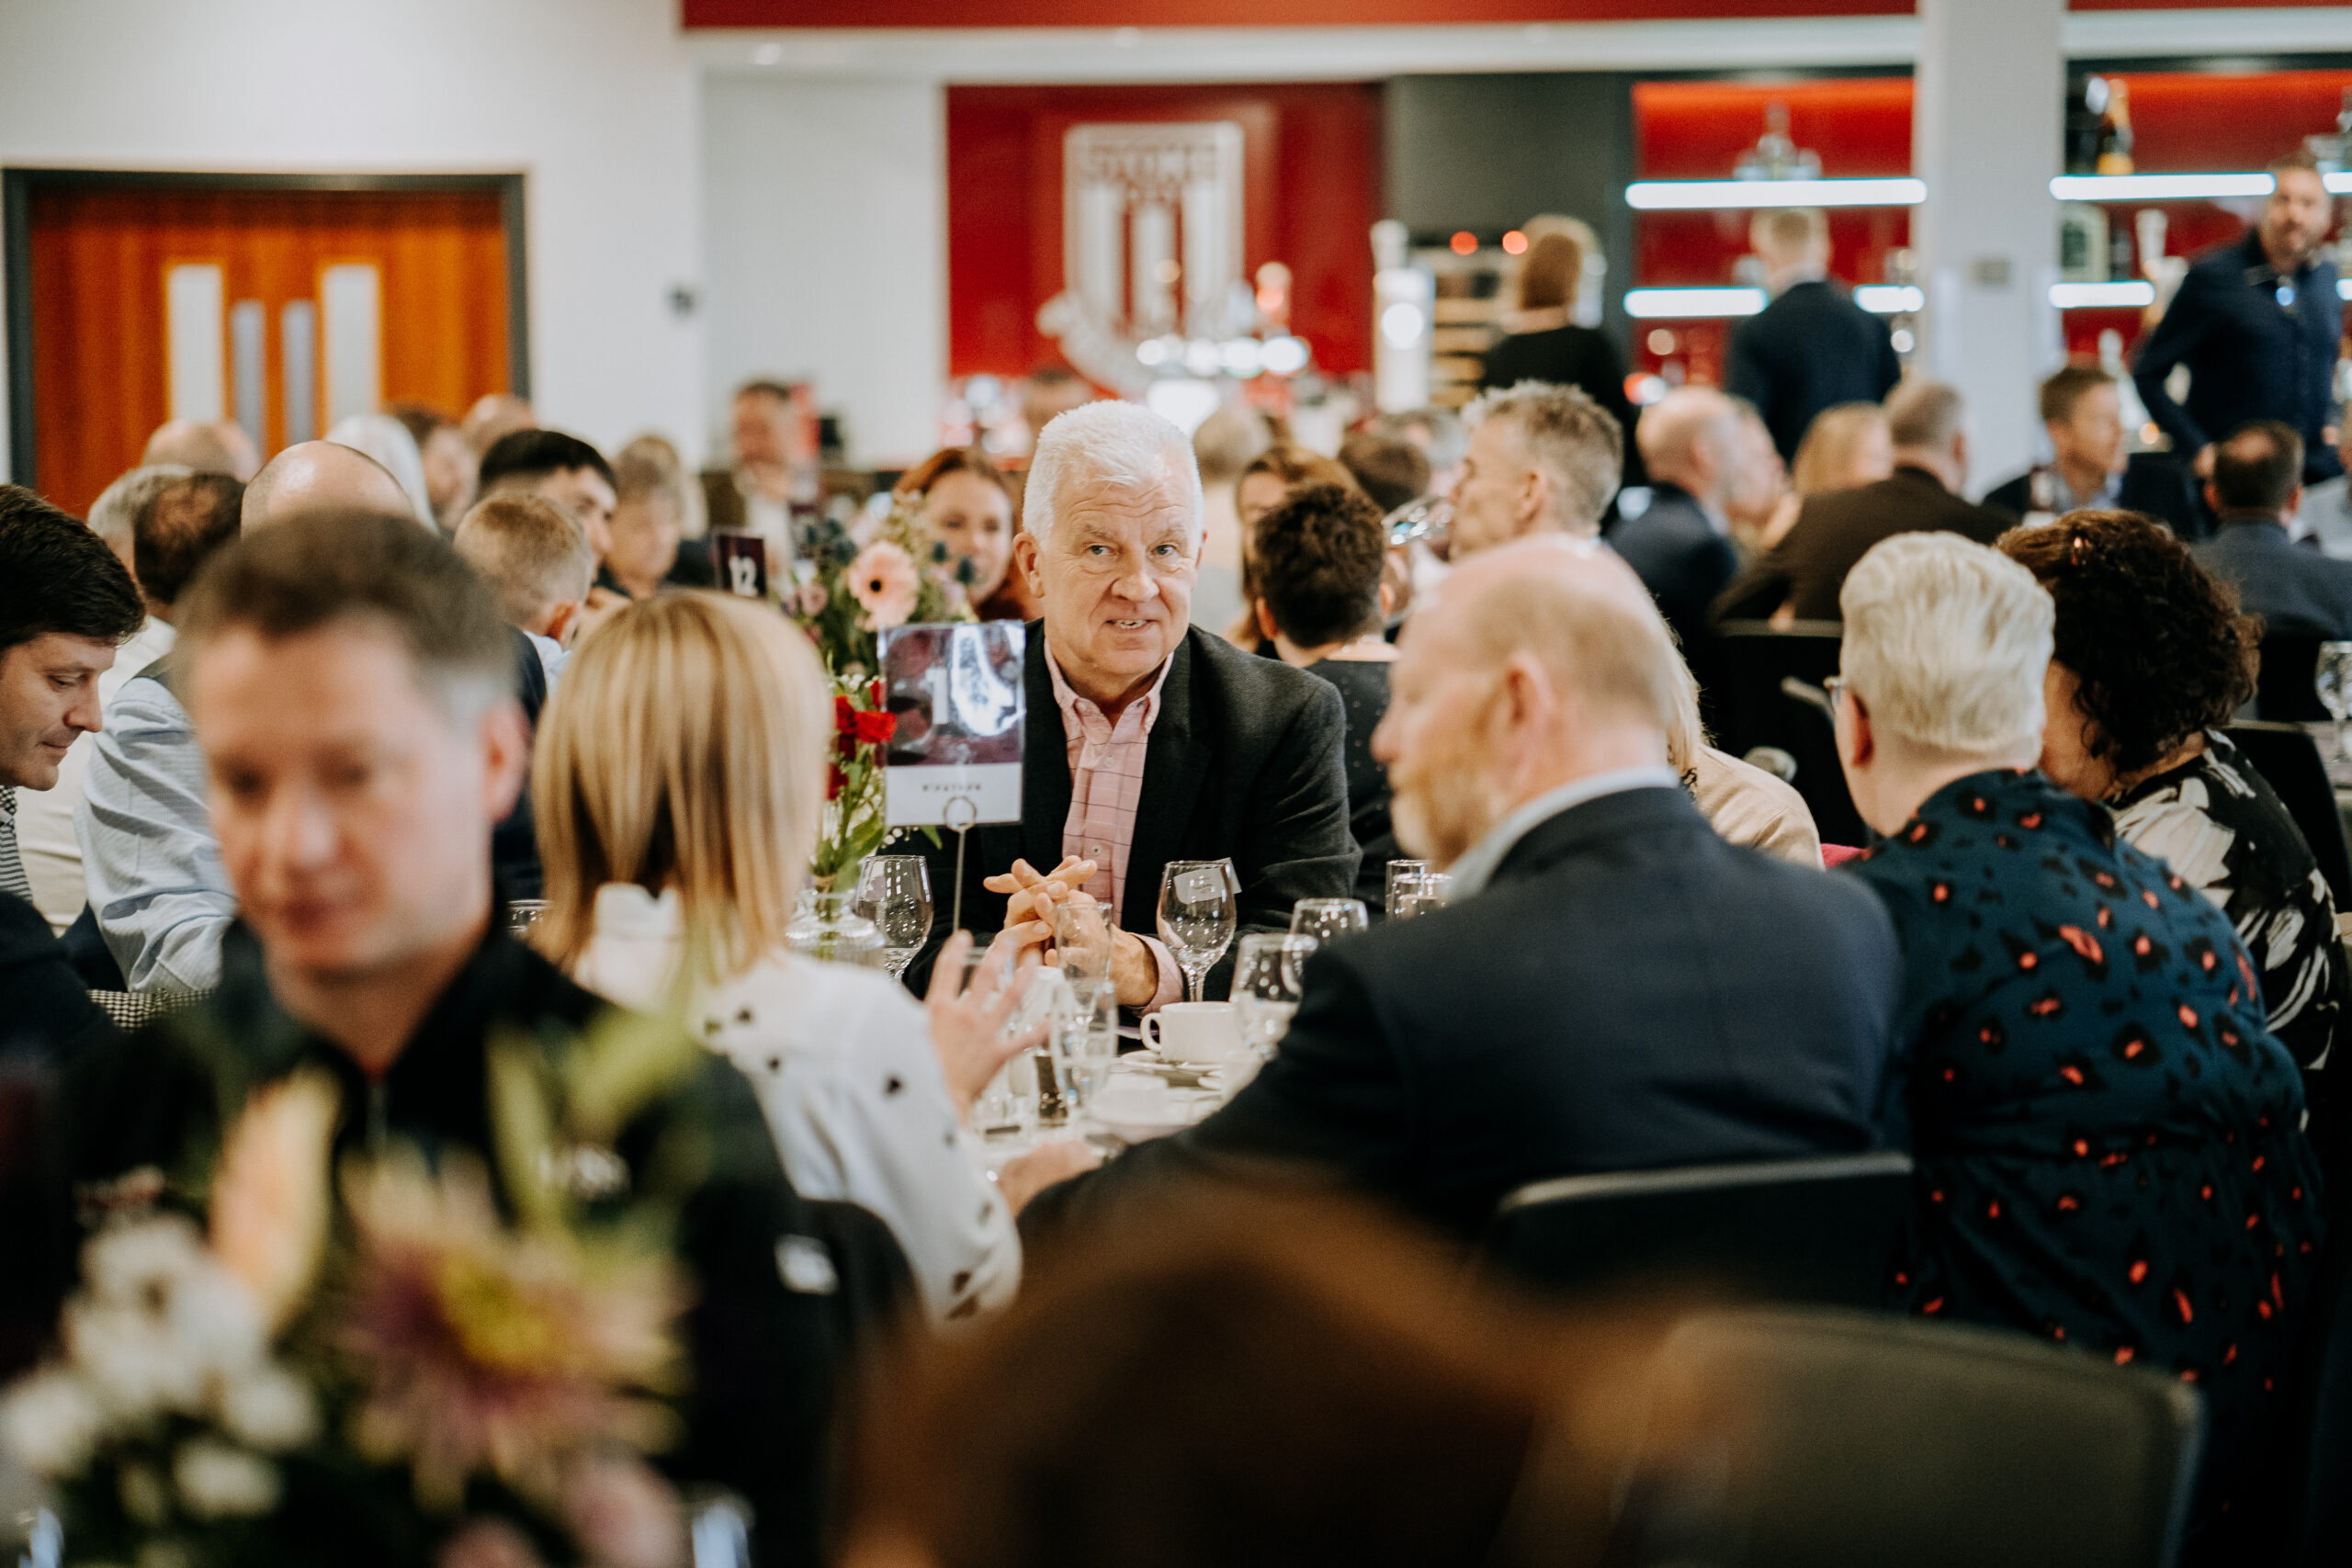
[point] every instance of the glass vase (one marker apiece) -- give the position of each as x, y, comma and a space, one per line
826, 927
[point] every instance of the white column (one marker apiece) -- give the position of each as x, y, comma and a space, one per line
1987, 137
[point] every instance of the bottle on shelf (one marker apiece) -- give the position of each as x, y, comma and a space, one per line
2086, 123
2115, 132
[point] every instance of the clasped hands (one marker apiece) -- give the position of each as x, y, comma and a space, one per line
1029, 920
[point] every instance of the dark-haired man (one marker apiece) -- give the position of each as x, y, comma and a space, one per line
350, 682
2090, 466
574, 476
66, 605
2254, 490
157, 894
2256, 323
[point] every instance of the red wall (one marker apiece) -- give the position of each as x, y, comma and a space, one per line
1312, 159
1306, 13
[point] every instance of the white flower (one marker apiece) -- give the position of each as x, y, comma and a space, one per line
220, 1482
132, 1265
269, 1408
130, 1361
215, 1321
52, 1423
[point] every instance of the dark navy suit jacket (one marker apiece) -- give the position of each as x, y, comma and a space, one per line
1810, 348
1630, 992
1678, 556
2248, 357
2293, 589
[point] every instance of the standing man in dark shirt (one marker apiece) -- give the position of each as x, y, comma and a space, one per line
1812, 346
2256, 323
350, 682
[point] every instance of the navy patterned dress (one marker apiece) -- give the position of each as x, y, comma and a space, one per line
2107, 1135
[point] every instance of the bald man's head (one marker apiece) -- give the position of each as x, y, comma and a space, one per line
221, 447
1536, 664
319, 476
1691, 437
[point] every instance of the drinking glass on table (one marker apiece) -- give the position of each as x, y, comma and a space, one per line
894, 892
1199, 908
1324, 918
2333, 677
1416, 893
1266, 985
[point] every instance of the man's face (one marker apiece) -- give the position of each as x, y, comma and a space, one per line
1759, 478
1115, 581
583, 496
1494, 500
1435, 740
48, 697
354, 813
759, 433
449, 471
2296, 217
2091, 436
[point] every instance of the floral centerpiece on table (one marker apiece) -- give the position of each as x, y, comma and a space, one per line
855, 822
901, 573
381, 1357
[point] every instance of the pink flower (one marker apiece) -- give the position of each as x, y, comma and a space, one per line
883, 579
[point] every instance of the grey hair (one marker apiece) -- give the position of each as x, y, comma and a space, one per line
1122, 445
116, 511
1570, 437
1946, 642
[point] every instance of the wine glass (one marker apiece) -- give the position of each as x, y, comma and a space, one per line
1324, 918
1266, 985
894, 892
1199, 911
1417, 894
2333, 679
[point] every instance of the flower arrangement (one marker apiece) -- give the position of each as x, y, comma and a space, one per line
854, 823
899, 575
404, 1360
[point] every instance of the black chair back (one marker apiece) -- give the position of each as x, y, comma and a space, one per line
2285, 688
1846, 1440
1820, 1230
1749, 665
2287, 756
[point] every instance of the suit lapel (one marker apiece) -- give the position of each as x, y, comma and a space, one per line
1045, 761
1175, 767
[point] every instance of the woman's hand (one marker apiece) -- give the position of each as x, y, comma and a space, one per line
968, 1024
1025, 1175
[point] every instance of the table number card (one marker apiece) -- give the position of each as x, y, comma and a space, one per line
1200, 886
741, 561
956, 692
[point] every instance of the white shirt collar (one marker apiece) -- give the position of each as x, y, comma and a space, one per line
1478, 865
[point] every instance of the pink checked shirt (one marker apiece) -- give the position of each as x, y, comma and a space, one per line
1105, 782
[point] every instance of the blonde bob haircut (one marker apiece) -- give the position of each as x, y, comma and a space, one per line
684, 748
1946, 644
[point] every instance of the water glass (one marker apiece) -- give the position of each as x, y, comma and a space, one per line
2333, 678
894, 892
1083, 1043
1266, 983
1082, 940
522, 914
1402, 868
1324, 918
1199, 908
1416, 893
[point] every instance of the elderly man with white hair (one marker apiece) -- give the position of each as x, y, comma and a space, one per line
1613, 988
1150, 740
2109, 1138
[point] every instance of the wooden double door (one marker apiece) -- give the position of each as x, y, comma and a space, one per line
281, 303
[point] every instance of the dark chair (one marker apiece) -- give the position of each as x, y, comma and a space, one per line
1820, 1230
1750, 666
1833, 1440
2285, 688
2287, 756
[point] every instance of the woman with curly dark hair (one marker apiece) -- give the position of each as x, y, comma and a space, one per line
2152, 658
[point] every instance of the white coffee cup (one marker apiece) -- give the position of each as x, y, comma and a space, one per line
1204, 1033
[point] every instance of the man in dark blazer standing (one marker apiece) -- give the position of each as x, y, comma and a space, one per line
2256, 323
1149, 740
2255, 491
1799, 577
1613, 988
1680, 545
1812, 347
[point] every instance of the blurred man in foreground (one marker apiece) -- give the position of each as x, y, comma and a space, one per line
1613, 988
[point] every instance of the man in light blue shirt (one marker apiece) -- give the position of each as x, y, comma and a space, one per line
2327, 514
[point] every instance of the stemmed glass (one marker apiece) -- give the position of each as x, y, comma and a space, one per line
2333, 679
894, 892
1199, 911
1266, 985
1324, 918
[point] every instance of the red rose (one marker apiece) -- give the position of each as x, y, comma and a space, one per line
877, 727
874, 692
844, 714
835, 781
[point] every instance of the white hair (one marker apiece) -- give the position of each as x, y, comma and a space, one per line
386, 440
1946, 643
115, 514
1123, 445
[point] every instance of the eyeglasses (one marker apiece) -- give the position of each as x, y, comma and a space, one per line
1836, 687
